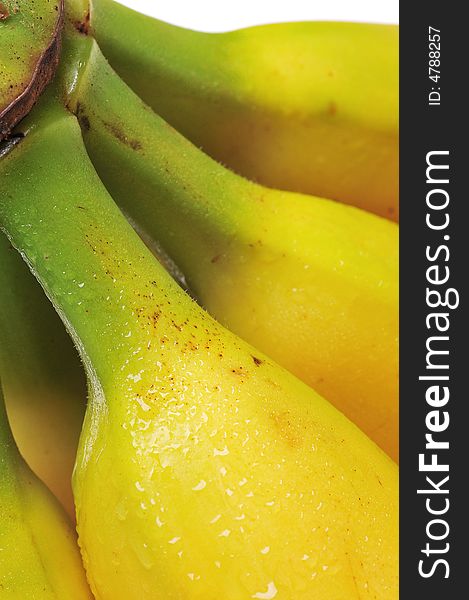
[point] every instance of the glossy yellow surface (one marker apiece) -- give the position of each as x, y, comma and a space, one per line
209, 472
315, 285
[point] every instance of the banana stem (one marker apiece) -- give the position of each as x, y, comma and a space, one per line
76, 241
102, 101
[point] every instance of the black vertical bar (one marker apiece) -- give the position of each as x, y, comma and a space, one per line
425, 128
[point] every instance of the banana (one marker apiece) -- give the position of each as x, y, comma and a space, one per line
39, 557
311, 282
43, 381
30, 41
307, 107
205, 471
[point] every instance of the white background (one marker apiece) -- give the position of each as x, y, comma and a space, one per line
222, 15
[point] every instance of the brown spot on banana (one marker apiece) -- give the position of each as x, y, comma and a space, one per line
83, 26
286, 429
117, 132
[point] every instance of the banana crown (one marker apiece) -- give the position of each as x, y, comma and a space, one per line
30, 38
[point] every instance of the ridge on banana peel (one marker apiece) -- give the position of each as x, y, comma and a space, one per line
204, 469
39, 557
30, 42
308, 107
311, 282
43, 380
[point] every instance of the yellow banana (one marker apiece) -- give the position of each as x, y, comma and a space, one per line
307, 107
39, 557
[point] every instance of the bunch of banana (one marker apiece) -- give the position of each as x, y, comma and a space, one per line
204, 470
